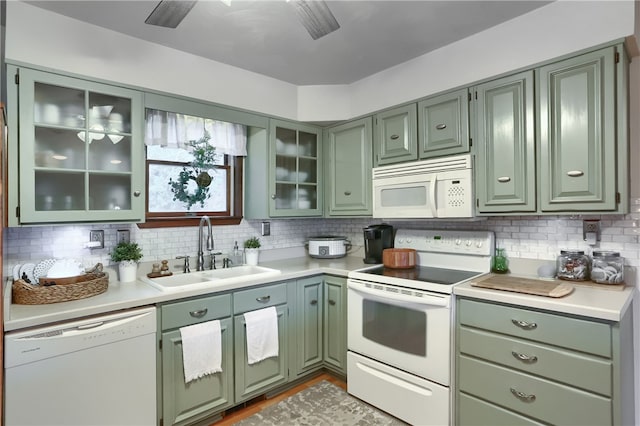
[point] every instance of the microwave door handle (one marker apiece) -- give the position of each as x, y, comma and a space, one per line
427, 300
432, 195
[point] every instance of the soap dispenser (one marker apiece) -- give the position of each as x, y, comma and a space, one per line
237, 255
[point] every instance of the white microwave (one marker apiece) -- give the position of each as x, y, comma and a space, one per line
436, 188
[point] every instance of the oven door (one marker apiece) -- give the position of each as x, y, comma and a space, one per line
405, 328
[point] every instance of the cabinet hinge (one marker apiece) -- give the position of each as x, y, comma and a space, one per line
161, 422
470, 141
160, 345
617, 198
477, 202
18, 211
617, 57
17, 78
469, 96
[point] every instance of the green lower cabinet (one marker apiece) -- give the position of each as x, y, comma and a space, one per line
255, 379
308, 326
335, 324
522, 366
183, 403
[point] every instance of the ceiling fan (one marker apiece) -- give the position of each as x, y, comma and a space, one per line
314, 15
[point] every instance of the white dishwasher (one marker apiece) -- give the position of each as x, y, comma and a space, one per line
95, 371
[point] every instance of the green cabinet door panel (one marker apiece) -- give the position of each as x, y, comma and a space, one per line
255, 379
577, 133
76, 153
476, 412
348, 160
505, 145
184, 403
396, 135
335, 323
308, 328
443, 123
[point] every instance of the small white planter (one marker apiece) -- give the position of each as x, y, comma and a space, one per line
251, 255
127, 270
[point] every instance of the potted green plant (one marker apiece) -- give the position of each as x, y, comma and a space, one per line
127, 255
252, 250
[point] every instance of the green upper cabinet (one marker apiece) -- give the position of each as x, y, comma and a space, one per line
582, 144
396, 135
444, 124
78, 155
284, 172
505, 145
348, 162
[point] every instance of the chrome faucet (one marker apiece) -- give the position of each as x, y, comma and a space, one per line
209, 241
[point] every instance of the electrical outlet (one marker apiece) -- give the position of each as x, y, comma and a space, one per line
122, 235
96, 236
266, 229
591, 227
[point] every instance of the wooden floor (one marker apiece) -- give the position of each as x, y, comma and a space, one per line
255, 407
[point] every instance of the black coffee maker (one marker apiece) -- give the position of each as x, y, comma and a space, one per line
376, 239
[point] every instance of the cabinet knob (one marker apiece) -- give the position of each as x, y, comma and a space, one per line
136, 193
314, 302
441, 126
522, 396
575, 173
347, 193
394, 137
332, 302
273, 196
504, 179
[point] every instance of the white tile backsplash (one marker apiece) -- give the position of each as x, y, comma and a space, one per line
537, 237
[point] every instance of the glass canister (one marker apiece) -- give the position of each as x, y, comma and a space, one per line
573, 265
608, 267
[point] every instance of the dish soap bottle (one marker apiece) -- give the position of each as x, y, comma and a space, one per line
500, 264
237, 256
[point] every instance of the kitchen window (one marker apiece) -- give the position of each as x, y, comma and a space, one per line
194, 167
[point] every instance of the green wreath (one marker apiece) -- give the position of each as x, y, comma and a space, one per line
203, 159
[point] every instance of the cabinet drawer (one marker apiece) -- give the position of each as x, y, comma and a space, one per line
189, 312
586, 336
532, 396
474, 412
258, 298
552, 363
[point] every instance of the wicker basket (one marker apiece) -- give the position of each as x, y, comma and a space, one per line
92, 283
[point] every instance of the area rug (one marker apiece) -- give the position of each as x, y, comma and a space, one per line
321, 404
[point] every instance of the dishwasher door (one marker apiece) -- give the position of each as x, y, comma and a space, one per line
96, 371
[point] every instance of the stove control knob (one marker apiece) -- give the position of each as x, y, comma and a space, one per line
469, 243
479, 244
458, 241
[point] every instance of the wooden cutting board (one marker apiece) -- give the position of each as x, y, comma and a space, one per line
553, 288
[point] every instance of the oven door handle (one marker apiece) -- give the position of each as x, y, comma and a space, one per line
432, 195
425, 299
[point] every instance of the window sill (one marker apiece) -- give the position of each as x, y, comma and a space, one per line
170, 222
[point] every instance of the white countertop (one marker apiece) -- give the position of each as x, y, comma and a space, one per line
129, 295
585, 301
600, 303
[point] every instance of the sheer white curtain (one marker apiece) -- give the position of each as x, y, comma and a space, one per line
175, 130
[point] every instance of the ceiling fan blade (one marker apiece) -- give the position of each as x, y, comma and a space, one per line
169, 13
316, 17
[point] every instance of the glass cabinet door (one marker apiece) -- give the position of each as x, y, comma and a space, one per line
80, 150
296, 172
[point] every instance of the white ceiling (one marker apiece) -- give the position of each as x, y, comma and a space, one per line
266, 37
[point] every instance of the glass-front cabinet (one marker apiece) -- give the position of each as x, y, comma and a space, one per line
295, 166
79, 150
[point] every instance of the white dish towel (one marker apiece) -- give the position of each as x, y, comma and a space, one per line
201, 349
262, 334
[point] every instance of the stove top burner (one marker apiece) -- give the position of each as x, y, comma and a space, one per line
424, 273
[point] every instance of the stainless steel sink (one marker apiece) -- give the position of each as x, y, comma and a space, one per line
213, 278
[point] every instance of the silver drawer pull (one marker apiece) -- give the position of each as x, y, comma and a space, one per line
199, 313
575, 173
522, 396
263, 299
347, 193
504, 179
394, 137
314, 302
524, 325
527, 359
441, 126
332, 302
